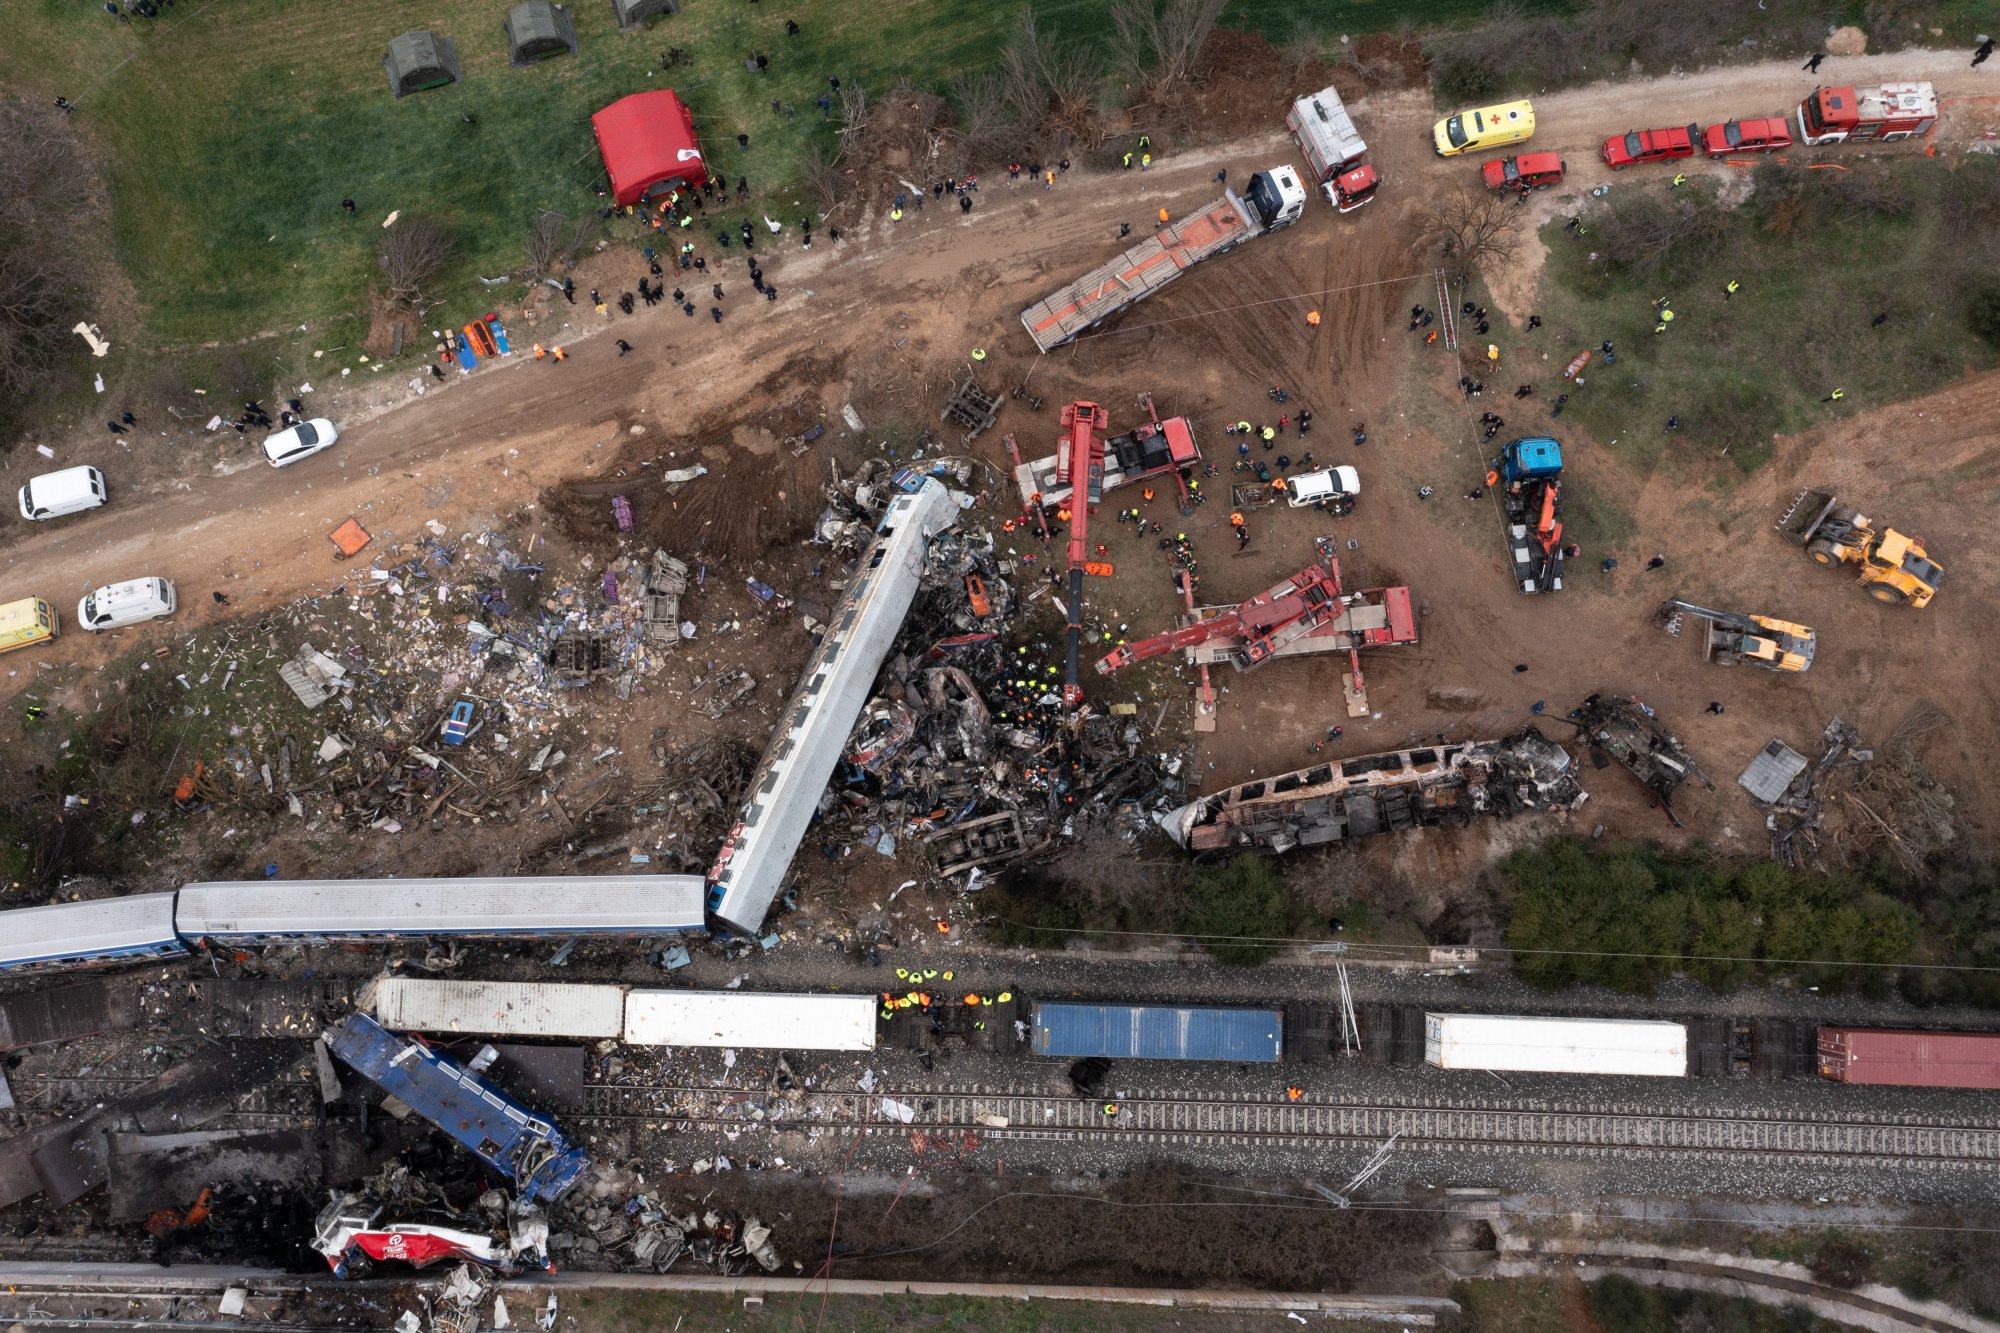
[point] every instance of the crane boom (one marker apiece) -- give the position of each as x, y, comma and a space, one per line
1082, 454
1265, 622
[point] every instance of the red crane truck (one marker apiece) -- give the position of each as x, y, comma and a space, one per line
1887, 111
1082, 457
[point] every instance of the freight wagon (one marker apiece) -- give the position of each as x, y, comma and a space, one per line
1513, 1043
1159, 1032
1908, 1058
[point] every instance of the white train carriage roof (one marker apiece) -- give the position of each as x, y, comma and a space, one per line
750, 1021
100, 928
499, 1008
518, 905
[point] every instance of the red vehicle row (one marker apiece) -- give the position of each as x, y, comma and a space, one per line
1828, 115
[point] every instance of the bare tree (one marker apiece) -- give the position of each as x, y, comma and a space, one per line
554, 242
1164, 38
1051, 84
984, 119
43, 184
821, 176
414, 251
1470, 226
1640, 231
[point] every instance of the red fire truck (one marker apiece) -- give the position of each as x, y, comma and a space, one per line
1888, 111
1336, 157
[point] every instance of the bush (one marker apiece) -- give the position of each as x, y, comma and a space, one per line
1458, 77
1982, 313
1630, 915
1240, 910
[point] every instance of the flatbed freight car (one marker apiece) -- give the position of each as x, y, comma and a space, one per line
1910, 1058
1159, 1032
528, 1149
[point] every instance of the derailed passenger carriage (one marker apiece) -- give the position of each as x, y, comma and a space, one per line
96, 932
615, 905
1351, 799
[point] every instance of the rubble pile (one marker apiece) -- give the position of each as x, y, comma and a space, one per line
967, 748
1853, 802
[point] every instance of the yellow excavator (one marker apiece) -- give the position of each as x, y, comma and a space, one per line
1894, 568
1735, 638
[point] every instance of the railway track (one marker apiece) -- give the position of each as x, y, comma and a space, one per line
1511, 1127
1520, 1126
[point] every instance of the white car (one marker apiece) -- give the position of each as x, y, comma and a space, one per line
127, 603
301, 441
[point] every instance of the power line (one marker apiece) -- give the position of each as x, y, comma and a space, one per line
1355, 948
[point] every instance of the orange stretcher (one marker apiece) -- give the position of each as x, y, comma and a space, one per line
348, 539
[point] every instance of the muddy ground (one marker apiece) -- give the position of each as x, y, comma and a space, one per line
881, 320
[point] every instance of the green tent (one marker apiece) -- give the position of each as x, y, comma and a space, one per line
537, 30
631, 13
420, 60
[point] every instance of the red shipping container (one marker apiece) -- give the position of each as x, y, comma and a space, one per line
1907, 1058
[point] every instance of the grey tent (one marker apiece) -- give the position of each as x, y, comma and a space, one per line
420, 60
631, 13
537, 30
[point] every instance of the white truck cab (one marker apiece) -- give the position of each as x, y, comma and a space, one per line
1277, 197
70, 491
127, 603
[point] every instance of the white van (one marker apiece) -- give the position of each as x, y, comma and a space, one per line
127, 603
1331, 483
70, 491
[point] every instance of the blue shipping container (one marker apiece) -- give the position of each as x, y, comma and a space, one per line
1159, 1032
526, 1148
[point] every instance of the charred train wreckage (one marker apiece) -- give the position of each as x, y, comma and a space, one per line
1346, 800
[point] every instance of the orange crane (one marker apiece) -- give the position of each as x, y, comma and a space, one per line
1082, 457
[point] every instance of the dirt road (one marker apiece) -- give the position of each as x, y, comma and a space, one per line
884, 316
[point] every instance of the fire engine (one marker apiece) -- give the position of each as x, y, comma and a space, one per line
1888, 111
1336, 156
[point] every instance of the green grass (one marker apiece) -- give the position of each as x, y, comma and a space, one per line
231, 130
1737, 371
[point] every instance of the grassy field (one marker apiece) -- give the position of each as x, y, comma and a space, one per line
1818, 255
231, 130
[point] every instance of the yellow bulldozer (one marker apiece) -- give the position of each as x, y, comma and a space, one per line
1894, 568
1735, 638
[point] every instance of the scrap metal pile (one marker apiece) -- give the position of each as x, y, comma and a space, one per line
1349, 799
1627, 730
1853, 802
967, 745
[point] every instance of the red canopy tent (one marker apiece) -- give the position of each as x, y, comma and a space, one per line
649, 146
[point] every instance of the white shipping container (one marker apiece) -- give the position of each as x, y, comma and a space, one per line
753, 1022
499, 1008
1513, 1043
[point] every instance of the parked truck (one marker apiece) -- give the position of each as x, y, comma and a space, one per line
1529, 471
1884, 112
1336, 156
1273, 199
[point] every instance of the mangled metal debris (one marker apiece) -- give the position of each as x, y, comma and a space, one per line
1626, 729
1350, 799
971, 407
666, 580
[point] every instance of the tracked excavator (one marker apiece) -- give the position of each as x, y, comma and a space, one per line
1735, 638
1894, 568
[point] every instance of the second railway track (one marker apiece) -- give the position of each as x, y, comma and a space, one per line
1485, 1125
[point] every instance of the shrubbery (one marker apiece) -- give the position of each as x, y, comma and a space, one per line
1630, 915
